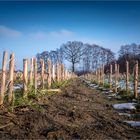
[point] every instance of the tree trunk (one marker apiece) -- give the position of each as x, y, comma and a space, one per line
73, 67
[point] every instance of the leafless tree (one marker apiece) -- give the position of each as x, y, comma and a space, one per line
72, 52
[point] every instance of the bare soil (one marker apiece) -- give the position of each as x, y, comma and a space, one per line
77, 113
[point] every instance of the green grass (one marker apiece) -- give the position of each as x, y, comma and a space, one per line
93, 82
58, 84
32, 96
106, 85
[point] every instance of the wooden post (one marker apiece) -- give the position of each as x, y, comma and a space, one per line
66, 74
89, 76
116, 77
136, 80
42, 73
118, 72
99, 76
3, 79
35, 75
103, 74
60, 72
49, 74
127, 75
96, 73
110, 77
57, 72
25, 77
11, 77
31, 72
53, 72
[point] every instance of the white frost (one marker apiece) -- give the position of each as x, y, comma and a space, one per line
133, 123
124, 106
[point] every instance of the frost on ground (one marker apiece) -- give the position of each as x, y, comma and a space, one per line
125, 114
133, 123
124, 106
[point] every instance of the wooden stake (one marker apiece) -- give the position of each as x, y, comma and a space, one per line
103, 74
42, 73
110, 77
3, 79
96, 73
116, 77
35, 75
25, 77
49, 74
136, 80
11, 77
66, 74
57, 72
53, 72
62, 71
98, 76
127, 75
118, 72
31, 72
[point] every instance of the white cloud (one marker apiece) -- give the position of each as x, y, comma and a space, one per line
8, 32
40, 35
61, 33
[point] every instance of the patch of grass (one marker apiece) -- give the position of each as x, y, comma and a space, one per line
126, 95
26, 101
123, 92
58, 84
106, 85
22, 102
18, 81
33, 96
31, 93
93, 82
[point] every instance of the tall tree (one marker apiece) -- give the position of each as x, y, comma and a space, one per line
131, 53
72, 52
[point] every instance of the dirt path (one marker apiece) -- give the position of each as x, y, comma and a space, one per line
77, 113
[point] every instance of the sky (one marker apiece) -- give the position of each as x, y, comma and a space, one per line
28, 28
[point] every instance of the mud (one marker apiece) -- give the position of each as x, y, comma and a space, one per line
77, 113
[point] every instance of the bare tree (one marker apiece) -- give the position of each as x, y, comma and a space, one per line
54, 56
130, 53
72, 52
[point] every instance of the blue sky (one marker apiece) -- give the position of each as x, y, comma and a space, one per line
27, 28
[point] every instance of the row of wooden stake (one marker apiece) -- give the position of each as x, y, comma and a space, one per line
57, 74
100, 77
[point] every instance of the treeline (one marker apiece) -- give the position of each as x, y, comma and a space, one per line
55, 56
129, 53
91, 56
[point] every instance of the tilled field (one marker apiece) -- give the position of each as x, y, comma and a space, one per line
77, 113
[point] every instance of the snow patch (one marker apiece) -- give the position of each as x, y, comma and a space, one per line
124, 106
125, 114
133, 123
